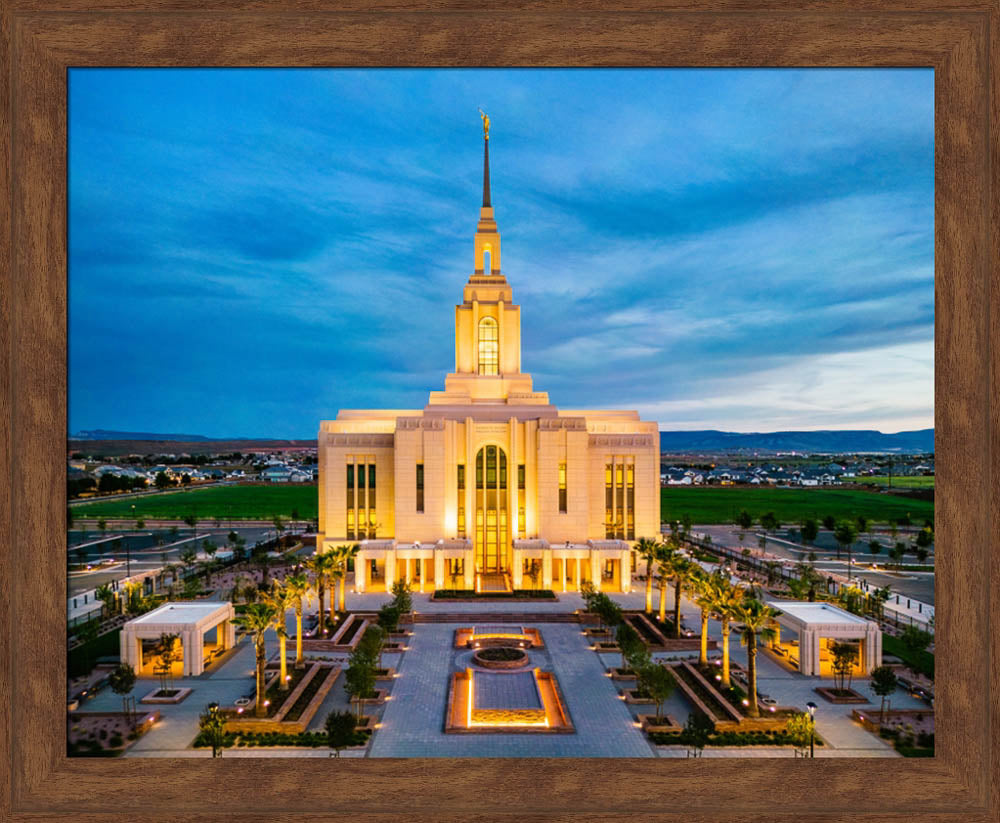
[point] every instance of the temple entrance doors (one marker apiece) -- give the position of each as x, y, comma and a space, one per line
492, 529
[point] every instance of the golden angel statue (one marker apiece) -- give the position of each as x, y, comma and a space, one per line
486, 123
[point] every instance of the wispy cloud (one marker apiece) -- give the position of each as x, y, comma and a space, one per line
254, 249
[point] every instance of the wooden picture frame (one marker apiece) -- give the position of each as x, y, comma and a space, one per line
42, 39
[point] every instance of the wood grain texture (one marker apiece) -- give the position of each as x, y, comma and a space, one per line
40, 40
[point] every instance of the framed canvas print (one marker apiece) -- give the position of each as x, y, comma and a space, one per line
355, 517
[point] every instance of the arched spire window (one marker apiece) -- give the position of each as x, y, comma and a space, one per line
489, 346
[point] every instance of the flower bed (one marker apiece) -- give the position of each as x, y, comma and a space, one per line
769, 737
308, 693
472, 594
312, 740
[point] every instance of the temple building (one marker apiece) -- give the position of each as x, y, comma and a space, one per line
489, 486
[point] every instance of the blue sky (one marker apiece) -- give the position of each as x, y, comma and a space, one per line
252, 250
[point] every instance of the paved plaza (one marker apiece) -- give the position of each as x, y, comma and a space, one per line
412, 721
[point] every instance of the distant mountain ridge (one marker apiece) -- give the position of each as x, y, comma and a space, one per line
828, 441
105, 434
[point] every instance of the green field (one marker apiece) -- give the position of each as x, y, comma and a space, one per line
917, 482
705, 505
722, 504
224, 502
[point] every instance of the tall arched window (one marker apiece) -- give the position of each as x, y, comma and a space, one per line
489, 346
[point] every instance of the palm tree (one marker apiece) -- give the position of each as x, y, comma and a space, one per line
665, 555
683, 572
343, 554
257, 619
705, 598
647, 548
280, 598
757, 619
297, 586
726, 598
321, 565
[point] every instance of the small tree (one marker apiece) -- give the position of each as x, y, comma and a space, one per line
915, 640
340, 732
401, 596
388, 617
162, 481
106, 595
845, 533
874, 547
167, 656
829, 522
102, 524
769, 522
809, 531
844, 657
801, 728
862, 523
658, 682
191, 519
213, 728
122, 681
744, 519
140, 523
884, 683
359, 680
697, 730
372, 643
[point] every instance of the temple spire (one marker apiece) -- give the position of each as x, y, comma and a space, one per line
486, 158
486, 171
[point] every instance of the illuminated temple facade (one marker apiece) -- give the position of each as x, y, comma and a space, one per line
489, 486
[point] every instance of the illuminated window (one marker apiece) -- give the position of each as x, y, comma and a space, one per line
520, 521
489, 346
371, 475
520, 476
420, 487
461, 476
461, 521
562, 488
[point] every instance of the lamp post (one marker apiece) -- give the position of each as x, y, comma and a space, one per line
812, 727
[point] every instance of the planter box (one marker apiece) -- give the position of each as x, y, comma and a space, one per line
666, 724
606, 646
378, 700
830, 697
631, 697
389, 674
177, 698
623, 674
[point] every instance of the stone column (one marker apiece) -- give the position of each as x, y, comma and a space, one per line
423, 573
439, 570
546, 568
562, 565
469, 567
517, 568
230, 634
595, 568
193, 652
389, 572
360, 572
625, 570
220, 635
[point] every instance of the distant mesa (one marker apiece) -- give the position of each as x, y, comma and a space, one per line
833, 442
105, 434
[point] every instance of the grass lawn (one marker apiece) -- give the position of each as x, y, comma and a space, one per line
918, 482
710, 504
225, 502
718, 504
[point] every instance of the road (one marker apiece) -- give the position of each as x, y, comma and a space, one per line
145, 553
917, 585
